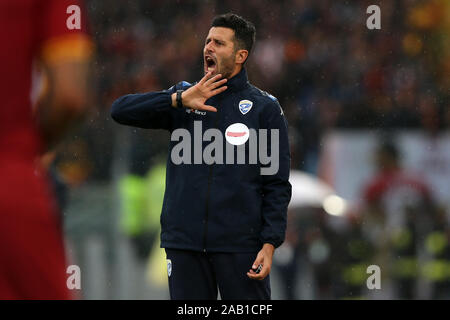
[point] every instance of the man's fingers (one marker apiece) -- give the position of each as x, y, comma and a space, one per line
217, 91
264, 270
258, 260
207, 108
205, 77
218, 83
213, 79
257, 264
252, 274
258, 276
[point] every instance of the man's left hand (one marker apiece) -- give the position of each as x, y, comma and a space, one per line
263, 258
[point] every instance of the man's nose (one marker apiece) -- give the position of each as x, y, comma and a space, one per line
209, 48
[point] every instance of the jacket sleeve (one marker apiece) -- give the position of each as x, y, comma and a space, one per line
276, 188
152, 110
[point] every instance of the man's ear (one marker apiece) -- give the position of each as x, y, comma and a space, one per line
241, 56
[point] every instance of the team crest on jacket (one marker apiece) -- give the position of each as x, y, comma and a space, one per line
245, 106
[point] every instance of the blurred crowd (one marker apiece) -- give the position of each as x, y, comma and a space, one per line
396, 227
317, 57
327, 69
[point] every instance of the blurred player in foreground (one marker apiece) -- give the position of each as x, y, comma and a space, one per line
32, 261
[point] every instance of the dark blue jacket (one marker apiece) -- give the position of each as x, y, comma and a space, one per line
217, 207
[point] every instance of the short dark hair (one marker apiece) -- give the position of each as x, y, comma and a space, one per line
244, 31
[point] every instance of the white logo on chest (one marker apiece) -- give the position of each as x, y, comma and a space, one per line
245, 106
237, 134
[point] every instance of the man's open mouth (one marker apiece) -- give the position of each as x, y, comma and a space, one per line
210, 64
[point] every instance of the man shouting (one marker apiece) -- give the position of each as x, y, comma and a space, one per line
221, 220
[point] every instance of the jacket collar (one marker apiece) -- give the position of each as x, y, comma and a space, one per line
238, 82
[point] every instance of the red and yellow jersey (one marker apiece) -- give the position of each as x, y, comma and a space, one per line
32, 30
32, 262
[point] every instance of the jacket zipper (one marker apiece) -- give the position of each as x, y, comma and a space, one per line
209, 189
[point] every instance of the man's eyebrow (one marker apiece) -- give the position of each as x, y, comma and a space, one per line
215, 39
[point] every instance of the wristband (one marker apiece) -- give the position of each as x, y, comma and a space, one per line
179, 102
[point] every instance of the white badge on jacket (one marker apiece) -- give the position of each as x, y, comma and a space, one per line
237, 134
245, 106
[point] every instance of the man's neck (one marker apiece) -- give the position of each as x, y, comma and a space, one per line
237, 69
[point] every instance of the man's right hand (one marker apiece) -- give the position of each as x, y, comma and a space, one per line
195, 96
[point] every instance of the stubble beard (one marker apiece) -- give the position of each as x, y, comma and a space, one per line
227, 67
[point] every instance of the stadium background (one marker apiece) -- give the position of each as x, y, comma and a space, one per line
333, 77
